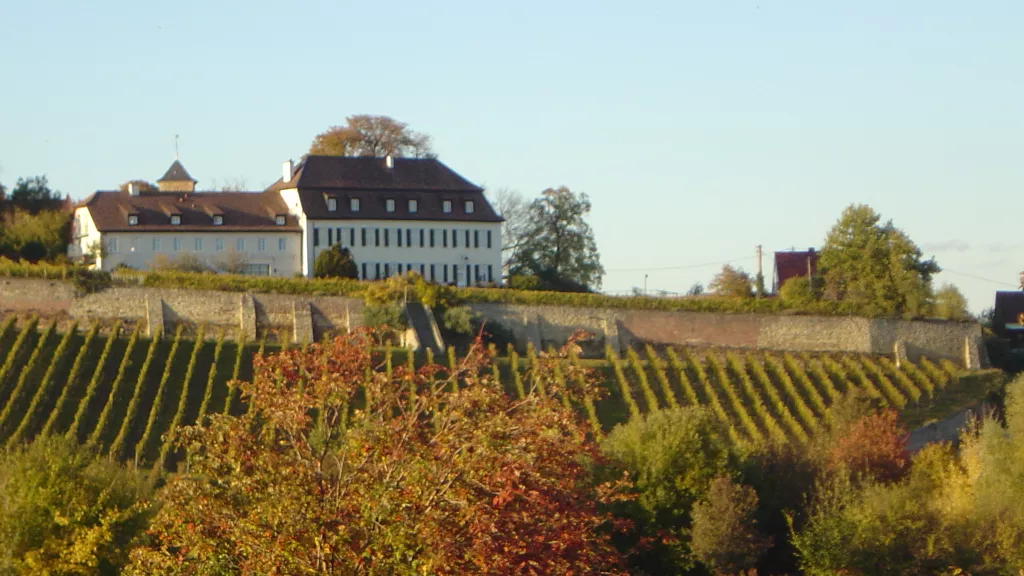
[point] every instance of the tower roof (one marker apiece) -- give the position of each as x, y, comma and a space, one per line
177, 173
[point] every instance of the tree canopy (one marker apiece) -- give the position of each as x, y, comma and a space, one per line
335, 262
732, 283
343, 467
875, 266
369, 135
558, 246
33, 195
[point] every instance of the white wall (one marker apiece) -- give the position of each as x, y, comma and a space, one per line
83, 235
136, 249
456, 258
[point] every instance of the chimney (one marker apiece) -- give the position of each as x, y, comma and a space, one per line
286, 171
389, 162
133, 189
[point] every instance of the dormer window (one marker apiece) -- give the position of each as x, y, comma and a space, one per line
133, 219
469, 206
175, 219
332, 204
389, 204
218, 220
413, 206
353, 204
446, 206
279, 220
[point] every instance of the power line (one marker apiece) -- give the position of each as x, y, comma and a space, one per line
976, 277
681, 266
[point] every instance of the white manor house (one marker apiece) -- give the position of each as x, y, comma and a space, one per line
394, 214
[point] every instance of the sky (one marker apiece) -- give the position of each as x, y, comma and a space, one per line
699, 130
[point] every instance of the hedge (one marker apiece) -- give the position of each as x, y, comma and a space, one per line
358, 289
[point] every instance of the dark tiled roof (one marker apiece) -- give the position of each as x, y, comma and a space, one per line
370, 173
177, 173
793, 264
1009, 306
426, 180
242, 211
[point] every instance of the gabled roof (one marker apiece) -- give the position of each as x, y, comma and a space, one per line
426, 180
242, 211
177, 173
793, 264
372, 173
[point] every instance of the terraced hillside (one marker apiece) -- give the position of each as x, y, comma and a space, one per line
121, 393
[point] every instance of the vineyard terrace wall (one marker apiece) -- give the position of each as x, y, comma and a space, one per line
552, 325
305, 318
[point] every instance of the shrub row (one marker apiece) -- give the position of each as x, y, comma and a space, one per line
15, 353
119, 446
116, 390
142, 447
74, 375
726, 386
659, 373
211, 376
14, 406
684, 380
179, 415
775, 432
778, 373
641, 377
44, 390
798, 373
620, 378
76, 429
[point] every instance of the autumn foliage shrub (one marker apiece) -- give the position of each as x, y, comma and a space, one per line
338, 467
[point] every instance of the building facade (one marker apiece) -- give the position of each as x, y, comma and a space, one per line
395, 215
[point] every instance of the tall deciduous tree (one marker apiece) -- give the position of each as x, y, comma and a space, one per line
341, 467
558, 247
514, 208
368, 135
875, 266
951, 304
33, 195
732, 283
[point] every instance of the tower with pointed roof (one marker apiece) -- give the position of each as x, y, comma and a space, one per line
176, 179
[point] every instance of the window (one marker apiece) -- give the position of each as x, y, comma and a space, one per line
455, 238
353, 204
198, 244
257, 269
387, 270
490, 273
240, 245
364, 271
467, 238
332, 204
219, 245
389, 205
133, 219
376, 236
377, 271
316, 237
469, 206
421, 237
399, 269
282, 245
444, 273
446, 206
261, 244
423, 274
176, 244
279, 220
476, 272
399, 234
433, 277
476, 238
330, 236
218, 220
488, 238
408, 237
362, 232
413, 206
352, 237
337, 235
468, 272
444, 238
431, 237
175, 219
387, 237
112, 246
156, 244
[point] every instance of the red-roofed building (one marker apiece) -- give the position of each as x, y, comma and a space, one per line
794, 264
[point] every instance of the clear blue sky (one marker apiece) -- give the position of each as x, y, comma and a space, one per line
699, 129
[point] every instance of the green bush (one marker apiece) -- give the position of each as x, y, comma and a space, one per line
335, 262
800, 292
68, 511
458, 320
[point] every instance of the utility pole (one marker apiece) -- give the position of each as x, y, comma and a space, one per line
759, 279
759, 271
645, 284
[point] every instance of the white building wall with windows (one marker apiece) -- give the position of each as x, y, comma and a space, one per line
266, 253
447, 252
84, 236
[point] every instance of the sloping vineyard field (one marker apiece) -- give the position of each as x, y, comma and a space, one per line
120, 392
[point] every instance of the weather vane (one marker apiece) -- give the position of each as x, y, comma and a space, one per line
175, 146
